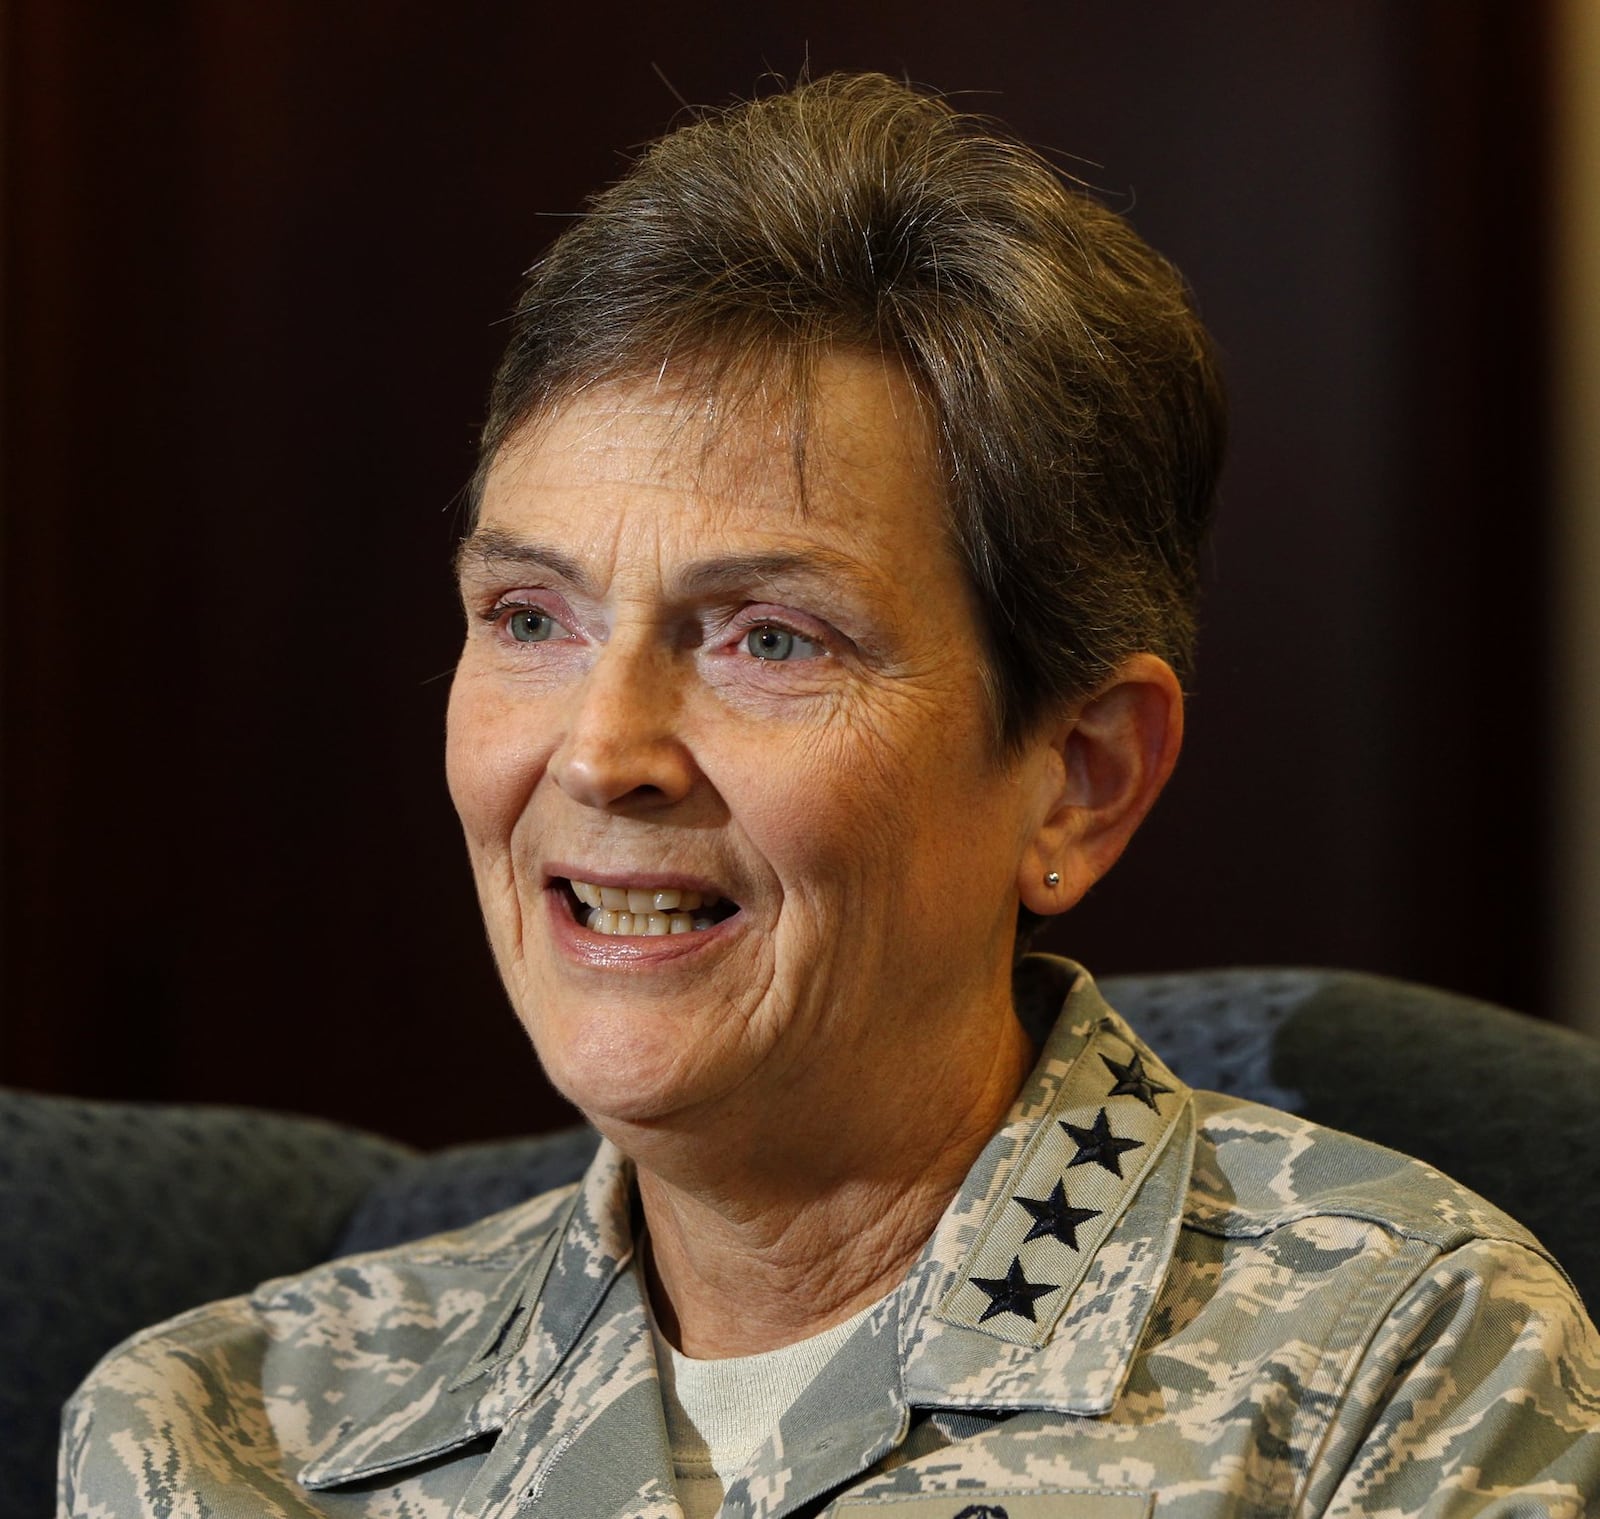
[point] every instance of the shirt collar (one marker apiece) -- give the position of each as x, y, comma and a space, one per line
1038, 1281
480, 1375
1032, 1292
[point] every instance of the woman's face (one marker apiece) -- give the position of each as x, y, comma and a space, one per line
684, 675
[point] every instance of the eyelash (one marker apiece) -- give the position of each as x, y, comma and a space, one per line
741, 626
745, 622
504, 609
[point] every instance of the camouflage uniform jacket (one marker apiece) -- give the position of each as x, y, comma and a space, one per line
1144, 1300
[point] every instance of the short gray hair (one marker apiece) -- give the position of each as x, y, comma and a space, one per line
1072, 389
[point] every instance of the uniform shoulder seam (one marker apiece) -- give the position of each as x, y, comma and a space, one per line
1252, 1161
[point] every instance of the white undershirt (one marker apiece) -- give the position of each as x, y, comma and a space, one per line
720, 1413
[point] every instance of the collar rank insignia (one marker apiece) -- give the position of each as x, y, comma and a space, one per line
1012, 1293
1133, 1081
1072, 1173
1097, 1145
1053, 1218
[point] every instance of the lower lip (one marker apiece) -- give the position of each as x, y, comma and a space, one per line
621, 951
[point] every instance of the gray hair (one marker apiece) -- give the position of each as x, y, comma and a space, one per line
1071, 387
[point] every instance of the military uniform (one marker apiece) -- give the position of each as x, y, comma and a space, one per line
1144, 1300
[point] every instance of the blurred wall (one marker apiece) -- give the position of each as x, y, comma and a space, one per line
1576, 563
255, 257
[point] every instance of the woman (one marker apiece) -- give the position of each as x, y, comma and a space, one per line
833, 554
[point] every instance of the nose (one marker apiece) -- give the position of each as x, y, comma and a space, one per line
621, 747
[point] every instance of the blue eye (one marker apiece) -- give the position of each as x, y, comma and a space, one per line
531, 625
776, 644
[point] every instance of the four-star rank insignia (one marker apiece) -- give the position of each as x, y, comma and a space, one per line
1132, 1080
1098, 1146
1012, 1293
1040, 1187
1053, 1218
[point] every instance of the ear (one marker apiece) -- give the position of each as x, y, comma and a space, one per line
1108, 760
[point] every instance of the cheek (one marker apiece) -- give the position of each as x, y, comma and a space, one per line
839, 812
489, 765
909, 804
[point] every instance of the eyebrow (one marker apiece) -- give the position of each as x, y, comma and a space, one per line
490, 546
723, 572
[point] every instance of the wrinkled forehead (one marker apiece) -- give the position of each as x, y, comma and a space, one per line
776, 429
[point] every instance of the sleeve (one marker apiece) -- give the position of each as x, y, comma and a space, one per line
1478, 1395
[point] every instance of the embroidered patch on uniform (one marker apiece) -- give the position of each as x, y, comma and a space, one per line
1134, 1081
1070, 1185
1098, 1146
1054, 1218
1000, 1503
1012, 1293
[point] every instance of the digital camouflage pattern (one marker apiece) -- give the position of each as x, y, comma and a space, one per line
1144, 1300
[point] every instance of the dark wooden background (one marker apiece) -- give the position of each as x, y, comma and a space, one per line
255, 254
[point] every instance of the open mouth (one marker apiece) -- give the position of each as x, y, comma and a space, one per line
644, 911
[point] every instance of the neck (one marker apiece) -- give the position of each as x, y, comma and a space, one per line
771, 1228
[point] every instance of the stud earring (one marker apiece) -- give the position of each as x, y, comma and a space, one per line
1053, 879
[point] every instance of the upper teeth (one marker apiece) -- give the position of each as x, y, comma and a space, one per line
642, 909
638, 899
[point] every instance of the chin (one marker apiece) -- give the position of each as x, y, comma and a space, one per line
618, 1074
